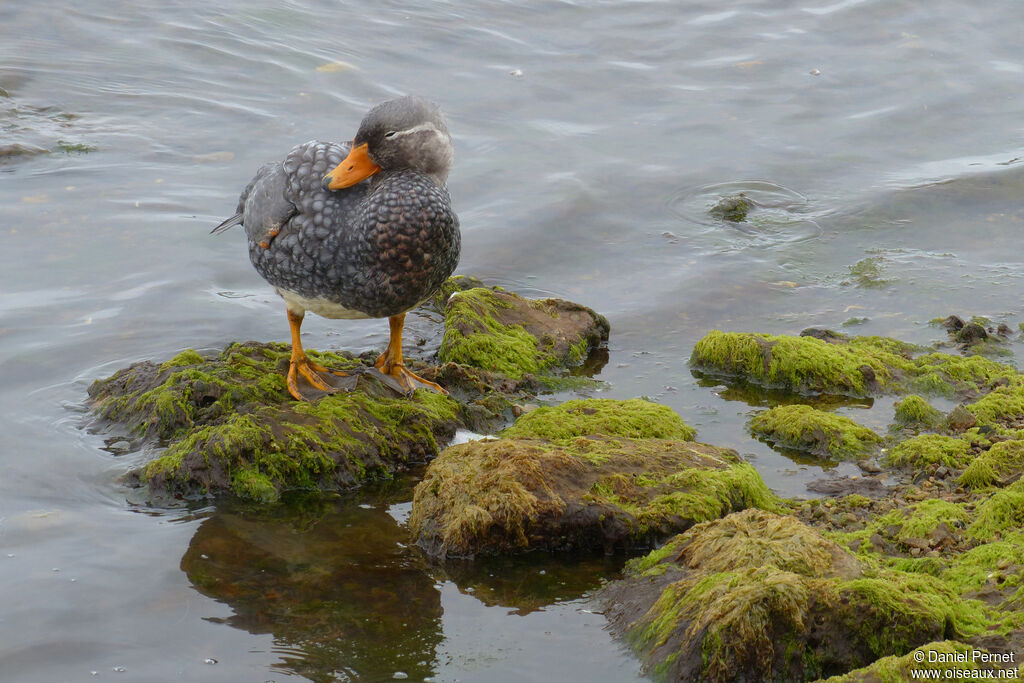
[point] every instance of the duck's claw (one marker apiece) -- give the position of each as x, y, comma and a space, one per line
403, 380
323, 380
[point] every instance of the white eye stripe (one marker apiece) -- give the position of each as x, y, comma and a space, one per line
415, 129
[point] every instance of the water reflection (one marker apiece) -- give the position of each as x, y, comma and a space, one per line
528, 583
345, 596
332, 580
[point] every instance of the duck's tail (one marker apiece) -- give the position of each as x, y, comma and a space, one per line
229, 223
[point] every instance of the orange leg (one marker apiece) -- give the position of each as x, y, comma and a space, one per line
300, 364
390, 362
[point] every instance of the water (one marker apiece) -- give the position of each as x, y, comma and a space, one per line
591, 138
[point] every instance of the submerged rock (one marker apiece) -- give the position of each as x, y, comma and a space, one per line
733, 208
229, 424
583, 475
759, 596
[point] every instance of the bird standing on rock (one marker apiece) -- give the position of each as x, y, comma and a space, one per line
360, 230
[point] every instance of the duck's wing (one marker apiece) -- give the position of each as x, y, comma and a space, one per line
262, 208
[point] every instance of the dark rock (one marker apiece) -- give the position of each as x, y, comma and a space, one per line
953, 324
971, 333
960, 419
823, 334
733, 209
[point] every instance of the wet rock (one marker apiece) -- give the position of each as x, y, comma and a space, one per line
859, 366
803, 428
556, 484
864, 486
914, 412
502, 332
759, 596
868, 273
825, 335
953, 324
971, 333
1000, 465
733, 209
938, 660
229, 424
869, 466
919, 452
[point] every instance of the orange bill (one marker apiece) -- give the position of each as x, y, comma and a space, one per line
356, 167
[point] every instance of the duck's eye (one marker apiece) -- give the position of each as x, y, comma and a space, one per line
390, 134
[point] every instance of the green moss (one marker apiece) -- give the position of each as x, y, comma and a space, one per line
697, 495
861, 366
999, 561
255, 486
730, 617
510, 494
855, 500
800, 364
938, 656
903, 525
999, 405
926, 449
914, 411
473, 336
232, 427
999, 465
925, 516
894, 610
764, 594
185, 358
804, 428
867, 273
74, 147
748, 539
633, 418
999, 514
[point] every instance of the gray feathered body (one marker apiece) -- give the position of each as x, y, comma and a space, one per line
374, 250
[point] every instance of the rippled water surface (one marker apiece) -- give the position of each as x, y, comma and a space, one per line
592, 139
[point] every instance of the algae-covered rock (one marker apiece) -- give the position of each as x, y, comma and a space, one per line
758, 596
1000, 513
817, 432
1000, 465
633, 418
600, 491
927, 449
856, 366
502, 332
939, 660
231, 425
915, 412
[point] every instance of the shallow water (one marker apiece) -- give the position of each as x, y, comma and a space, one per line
591, 140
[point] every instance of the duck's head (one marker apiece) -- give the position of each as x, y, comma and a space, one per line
406, 133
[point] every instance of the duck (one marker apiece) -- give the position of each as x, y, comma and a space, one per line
360, 229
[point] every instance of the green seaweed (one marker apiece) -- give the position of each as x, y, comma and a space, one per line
635, 418
859, 366
926, 449
914, 411
821, 433
999, 465
1002, 512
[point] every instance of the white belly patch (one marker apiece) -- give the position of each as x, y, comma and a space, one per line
320, 306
